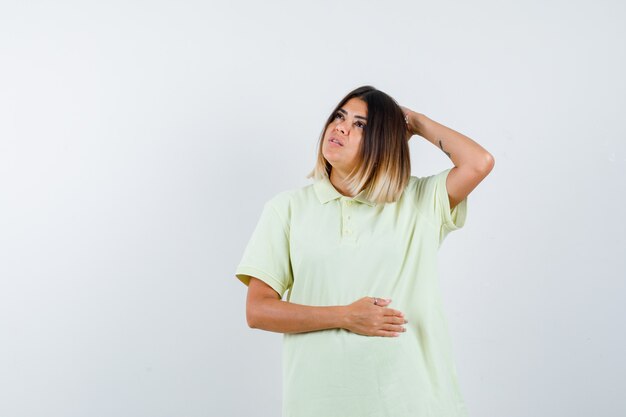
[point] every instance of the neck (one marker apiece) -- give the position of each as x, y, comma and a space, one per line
337, 180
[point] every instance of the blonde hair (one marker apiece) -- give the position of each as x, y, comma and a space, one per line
385, 163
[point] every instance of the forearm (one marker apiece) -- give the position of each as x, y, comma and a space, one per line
462, 150
284, 317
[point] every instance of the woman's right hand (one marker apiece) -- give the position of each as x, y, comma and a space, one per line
368, 319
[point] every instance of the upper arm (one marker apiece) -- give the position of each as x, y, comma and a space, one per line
258, 290
267, 254
462, 180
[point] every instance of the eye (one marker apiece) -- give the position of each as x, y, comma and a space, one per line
358, 124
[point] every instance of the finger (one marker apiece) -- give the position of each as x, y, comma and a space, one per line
386, 333
394, 328
396, 320
393, 312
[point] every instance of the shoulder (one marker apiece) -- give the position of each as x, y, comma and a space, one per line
283, 202
418, 186
428, 192
432, 178
427, 185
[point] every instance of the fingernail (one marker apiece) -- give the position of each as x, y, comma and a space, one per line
406, 321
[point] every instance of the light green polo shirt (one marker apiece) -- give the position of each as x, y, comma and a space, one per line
329, 249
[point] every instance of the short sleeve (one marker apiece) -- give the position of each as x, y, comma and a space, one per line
433, 199
266, 256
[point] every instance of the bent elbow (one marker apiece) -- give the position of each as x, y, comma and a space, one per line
490, 161
485, 164
251, 318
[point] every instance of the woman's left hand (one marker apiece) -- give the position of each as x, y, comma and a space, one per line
412, 122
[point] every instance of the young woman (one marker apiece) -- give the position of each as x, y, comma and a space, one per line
362, 237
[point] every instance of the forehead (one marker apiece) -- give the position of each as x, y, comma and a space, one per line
355, 107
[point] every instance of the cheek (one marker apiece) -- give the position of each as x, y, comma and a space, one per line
354, 150
357, 141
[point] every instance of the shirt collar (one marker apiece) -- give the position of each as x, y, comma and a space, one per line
326, 191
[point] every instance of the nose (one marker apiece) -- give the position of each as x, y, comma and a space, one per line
341, 127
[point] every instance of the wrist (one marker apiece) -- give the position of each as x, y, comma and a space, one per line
341, 321
417, 122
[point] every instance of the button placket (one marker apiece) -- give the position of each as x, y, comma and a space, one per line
347, 227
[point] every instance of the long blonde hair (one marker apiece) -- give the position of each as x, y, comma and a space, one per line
385, 163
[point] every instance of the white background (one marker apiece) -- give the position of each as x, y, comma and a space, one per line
139, 141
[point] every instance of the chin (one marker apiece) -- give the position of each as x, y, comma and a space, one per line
330, 159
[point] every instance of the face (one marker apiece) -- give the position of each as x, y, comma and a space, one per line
347, 128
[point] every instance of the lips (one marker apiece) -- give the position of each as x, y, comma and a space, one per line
335, 140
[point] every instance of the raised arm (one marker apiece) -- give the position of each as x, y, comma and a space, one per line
472, 163
265, 310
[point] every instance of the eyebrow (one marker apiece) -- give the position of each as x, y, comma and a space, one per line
356, 116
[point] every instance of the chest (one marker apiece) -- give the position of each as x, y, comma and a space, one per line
344, 232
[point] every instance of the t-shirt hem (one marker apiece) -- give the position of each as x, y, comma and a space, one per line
243, 273
453, 219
